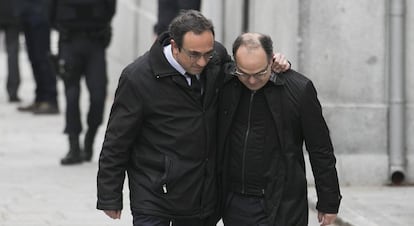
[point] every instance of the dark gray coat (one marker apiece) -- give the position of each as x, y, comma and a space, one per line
297, 114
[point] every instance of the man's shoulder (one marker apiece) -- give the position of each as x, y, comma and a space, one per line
139, 66
221, 53
218, 47
294, 78
295, 75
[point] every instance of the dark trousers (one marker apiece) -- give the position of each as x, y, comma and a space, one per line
12, 46
145, 220
36, 29
242, 210
168, 9
84, 57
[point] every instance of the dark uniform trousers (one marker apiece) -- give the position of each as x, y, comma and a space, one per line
12, 47
9, 24
84, 57
36, 28
168, 9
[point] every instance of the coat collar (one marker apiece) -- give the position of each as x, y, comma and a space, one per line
159, 63
277, 78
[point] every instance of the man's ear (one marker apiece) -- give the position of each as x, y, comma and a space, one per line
174, 47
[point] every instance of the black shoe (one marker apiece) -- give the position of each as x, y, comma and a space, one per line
88, 145
14, 99
28, 108
71, 158
86, 155
46, 108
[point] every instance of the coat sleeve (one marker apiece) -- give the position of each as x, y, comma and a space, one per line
123, 127
112, 8
319, 146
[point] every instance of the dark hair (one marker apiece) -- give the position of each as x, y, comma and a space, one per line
188, 20
254, 41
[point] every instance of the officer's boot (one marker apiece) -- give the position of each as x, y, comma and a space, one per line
73, 156
88, 145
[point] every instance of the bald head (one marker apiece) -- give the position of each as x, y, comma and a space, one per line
252, 42
253, 55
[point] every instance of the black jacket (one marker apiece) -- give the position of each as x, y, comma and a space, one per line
297, 113
8, 13
85, 15
163, 137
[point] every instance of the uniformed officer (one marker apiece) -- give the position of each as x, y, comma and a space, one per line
84, 28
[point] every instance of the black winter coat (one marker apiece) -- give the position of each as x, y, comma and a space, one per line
297, 113
164, 138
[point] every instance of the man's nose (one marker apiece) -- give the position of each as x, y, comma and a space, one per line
202, 62
252, 79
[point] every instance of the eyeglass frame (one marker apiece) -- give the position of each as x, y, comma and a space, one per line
259, 75
195, 56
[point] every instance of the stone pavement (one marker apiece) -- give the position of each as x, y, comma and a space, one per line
375, 206
35, 190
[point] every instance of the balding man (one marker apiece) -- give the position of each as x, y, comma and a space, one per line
264, 118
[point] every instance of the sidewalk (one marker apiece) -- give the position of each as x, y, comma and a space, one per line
375, 206
35, 190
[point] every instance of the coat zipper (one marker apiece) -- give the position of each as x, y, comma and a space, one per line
206, 152
167, 165
245, 142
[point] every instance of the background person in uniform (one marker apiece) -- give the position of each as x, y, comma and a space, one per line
9, 23
162, 129
34, 17
84, 34
264, 118
168, 9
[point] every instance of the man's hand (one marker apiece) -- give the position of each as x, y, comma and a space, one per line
280, 63
114, 214
326, 218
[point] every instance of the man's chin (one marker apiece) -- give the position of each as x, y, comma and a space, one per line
197, 72
253, 88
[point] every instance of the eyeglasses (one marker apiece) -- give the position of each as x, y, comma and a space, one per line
258, 75
195, 56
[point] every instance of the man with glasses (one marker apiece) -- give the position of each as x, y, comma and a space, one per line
264, 118
162, 129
